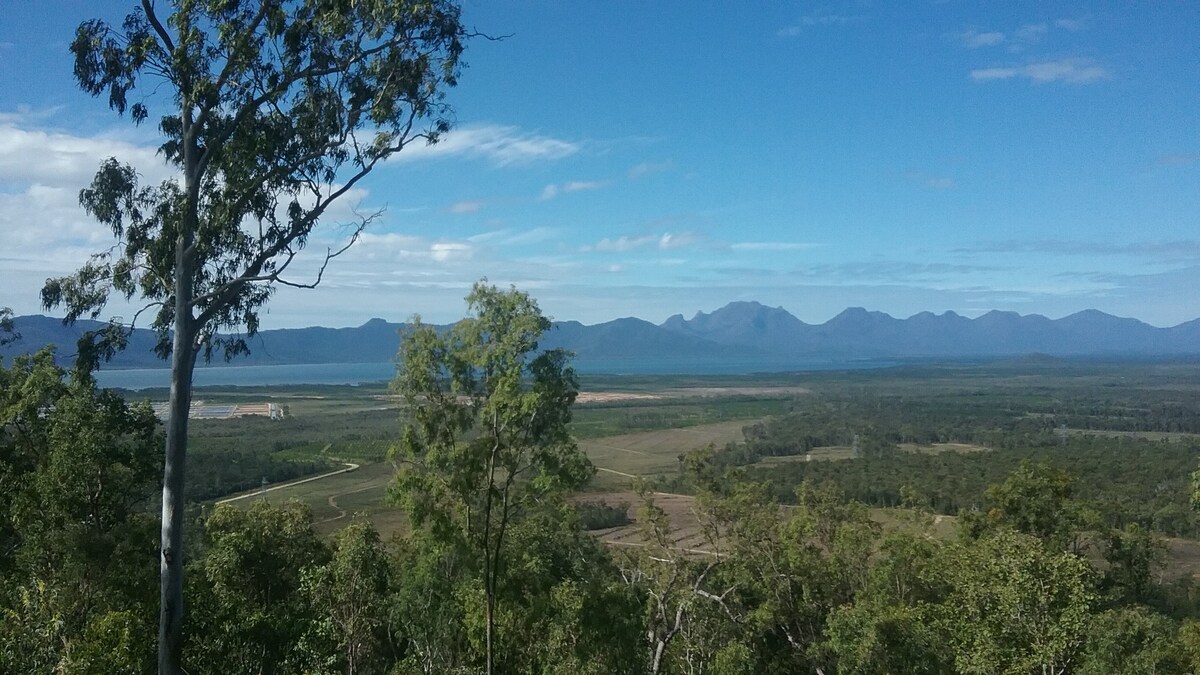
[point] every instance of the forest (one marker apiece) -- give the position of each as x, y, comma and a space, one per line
1056, 561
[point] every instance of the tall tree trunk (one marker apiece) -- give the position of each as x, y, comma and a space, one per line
170, 633
171, 609
183, 360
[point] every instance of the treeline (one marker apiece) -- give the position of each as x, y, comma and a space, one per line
231, 455
1122, 479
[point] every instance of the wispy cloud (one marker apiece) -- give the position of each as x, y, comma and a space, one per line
500, 145
818, 20
1071, 70
1017, 40
639, 170
973, 39
1164, 251
507, 237
466, 206
772, 246
894, 271
555, 189
443, 251
1072, 25
676, 240
662, 242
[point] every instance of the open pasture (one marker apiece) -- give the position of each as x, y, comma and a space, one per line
937, 448
649, 453
337, 498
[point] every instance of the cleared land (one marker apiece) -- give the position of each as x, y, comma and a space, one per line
1182, 555
337, 497
203, 410
650, 453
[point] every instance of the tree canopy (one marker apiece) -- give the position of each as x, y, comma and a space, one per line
270, 112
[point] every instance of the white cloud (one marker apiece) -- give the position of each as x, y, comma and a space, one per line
671, 241
443, 251
555, 189
499, 144
1018, 40
639, 170
1073, 71
468, 206
621, 244
577, 185
663, 242
973, 39
505, 237
772, 246
816, 20
1072, 25
31, 155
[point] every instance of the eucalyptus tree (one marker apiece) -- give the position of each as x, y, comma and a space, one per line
487, 441
271, 112
8, 334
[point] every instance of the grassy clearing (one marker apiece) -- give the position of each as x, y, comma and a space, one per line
336, 499
615, 418
651, 453
937, 448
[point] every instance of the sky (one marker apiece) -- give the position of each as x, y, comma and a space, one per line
651, 158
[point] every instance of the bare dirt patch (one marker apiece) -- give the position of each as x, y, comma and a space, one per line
738, 391
686, 392
608, 396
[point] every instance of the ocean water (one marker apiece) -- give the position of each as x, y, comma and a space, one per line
361, 373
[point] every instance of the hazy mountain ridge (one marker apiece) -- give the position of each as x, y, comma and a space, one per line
740, 330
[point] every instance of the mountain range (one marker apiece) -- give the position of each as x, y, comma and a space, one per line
746, 331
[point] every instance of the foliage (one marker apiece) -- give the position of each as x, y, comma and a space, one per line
600, 515
1015, 605
77, 470
487, 440
8, 334
273, 111
779, 582
249, 609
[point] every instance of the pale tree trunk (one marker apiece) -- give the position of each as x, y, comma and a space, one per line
170, 633
183, 360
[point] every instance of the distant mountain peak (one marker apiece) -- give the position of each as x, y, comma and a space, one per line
741, 329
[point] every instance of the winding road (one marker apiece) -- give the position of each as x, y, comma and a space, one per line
349, 467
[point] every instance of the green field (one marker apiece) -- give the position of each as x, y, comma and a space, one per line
334, 500
952, 430
650, 453
638, 430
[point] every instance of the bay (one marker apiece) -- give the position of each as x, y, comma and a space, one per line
363, 373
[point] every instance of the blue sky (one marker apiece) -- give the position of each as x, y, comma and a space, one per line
646, 159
